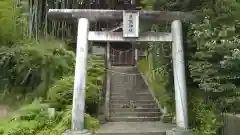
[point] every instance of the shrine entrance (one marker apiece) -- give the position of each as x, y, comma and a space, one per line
131, 20
121, 54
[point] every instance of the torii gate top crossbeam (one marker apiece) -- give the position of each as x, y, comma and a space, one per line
101, 14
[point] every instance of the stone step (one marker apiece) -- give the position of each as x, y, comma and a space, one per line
134, 128
134, 133
154, 105
132, 88
125, 69
135, 114
121, 91
132, 97
143, 92
124, 93
134, 119
117, 89
123, 87
134, 110
124, 101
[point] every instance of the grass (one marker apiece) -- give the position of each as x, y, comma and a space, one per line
157, 83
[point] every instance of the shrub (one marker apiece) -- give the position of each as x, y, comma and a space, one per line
65, 123
60, 94
91, 123
32, 67
204, 118
34, 119
157, 83
27, 120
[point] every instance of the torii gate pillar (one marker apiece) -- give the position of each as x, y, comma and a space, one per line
82, 50
78, 106
179, 75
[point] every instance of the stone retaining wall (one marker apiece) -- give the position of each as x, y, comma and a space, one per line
231, 124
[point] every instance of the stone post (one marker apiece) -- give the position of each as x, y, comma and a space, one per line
179, 76
78, 109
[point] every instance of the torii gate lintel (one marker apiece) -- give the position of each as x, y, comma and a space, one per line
94, 15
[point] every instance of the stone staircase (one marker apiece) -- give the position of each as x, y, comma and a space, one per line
130, 99
133, 110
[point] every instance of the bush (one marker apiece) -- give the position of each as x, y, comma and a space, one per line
60, 94
157, 83
65, 123
91, 123
27, 120
32, 67
28, 70
34, 119
203, 116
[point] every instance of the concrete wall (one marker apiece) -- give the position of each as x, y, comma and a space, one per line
231, 124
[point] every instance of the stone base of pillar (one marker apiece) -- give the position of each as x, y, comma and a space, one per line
176, 131
82, 132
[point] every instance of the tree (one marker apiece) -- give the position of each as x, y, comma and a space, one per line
212, 55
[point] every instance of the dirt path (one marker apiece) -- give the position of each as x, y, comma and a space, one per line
5, 112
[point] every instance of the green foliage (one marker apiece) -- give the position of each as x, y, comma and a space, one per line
212, 55
34, 119
65, 123
156, 82
33, 66
28, 70
204, 117
91, 123
8, 20
147, 4
61, 92
31, 111
212, 66
27, 120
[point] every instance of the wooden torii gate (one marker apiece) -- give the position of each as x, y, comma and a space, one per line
131, 20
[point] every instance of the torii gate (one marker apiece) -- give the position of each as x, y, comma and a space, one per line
131, 19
